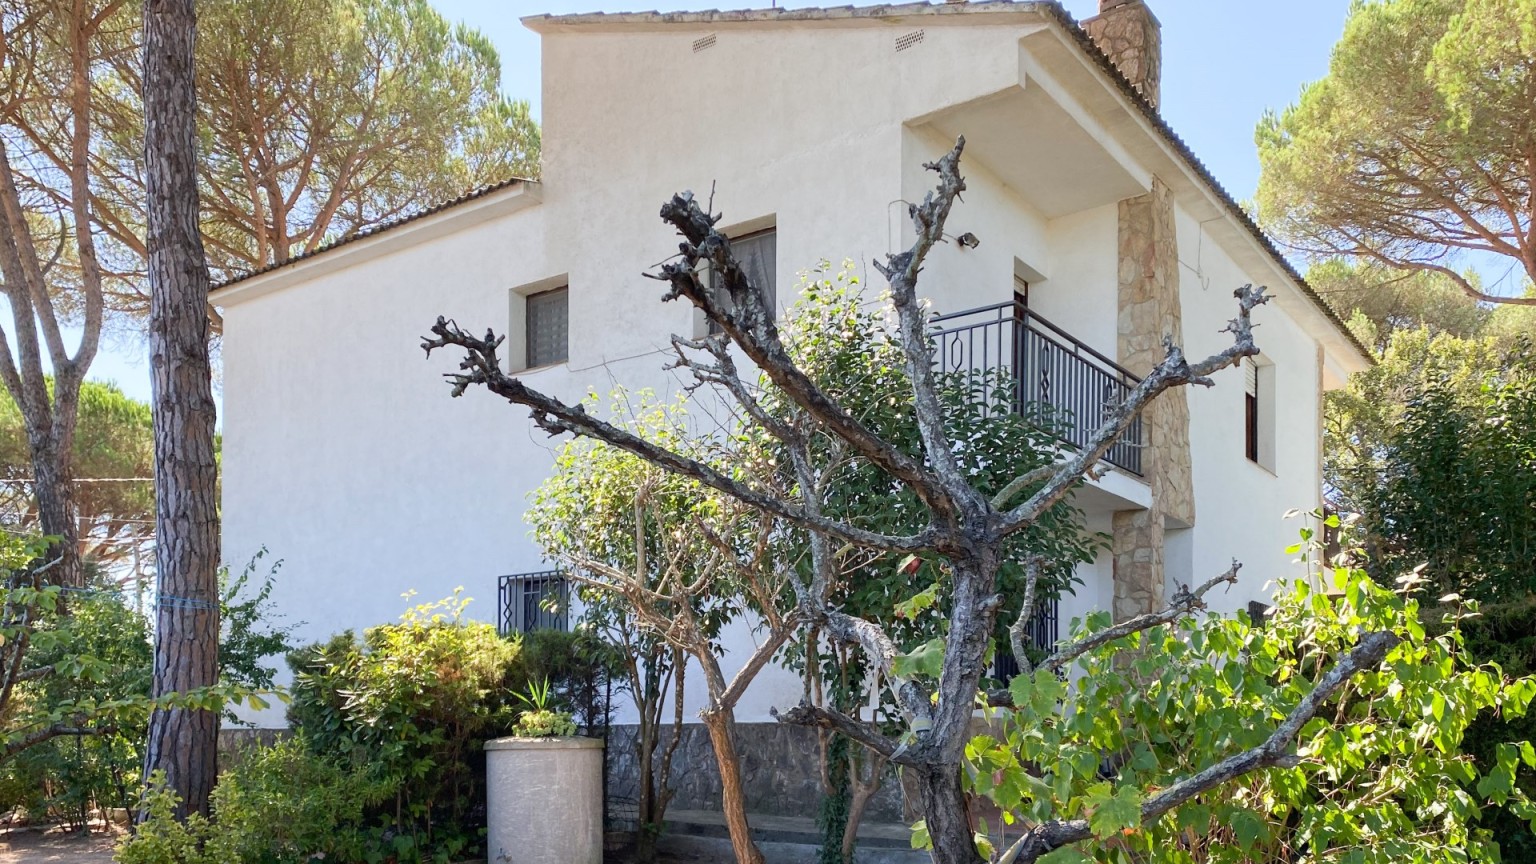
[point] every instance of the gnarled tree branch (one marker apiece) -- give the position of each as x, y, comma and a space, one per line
481, 366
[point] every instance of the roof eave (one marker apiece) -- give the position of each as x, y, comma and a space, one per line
466, 211
1070, 29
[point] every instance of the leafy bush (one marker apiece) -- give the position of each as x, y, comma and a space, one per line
1504, 634
103, 648
281, 805
581, 669
160, 839
102, 656
1377, 775
415, 701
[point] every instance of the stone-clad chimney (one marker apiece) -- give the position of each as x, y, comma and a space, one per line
1129, 33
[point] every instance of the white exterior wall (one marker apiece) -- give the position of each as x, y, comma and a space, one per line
1239, 505
345, 457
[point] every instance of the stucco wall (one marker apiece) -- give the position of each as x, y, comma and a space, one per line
1241, 504
345, 457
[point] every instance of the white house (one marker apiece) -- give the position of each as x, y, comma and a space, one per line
1098, 233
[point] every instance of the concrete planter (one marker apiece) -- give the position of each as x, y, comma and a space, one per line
544, 801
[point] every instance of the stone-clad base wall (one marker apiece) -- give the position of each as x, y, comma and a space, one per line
781, 769
235, 741
781, 772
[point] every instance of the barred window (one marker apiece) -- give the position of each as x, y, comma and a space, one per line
548, 323
534, 601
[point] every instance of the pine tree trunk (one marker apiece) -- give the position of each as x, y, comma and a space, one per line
182, 743
733, 800
946, 815
56, 513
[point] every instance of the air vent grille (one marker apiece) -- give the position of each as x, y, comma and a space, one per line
703, 43
910, 39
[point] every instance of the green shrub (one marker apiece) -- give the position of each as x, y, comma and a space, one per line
580, 667
415, 701
103, 651
62, 780
1505, 634
160, 839
281, 804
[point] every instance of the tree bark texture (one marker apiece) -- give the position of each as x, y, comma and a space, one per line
946, 814
53, 491
721, 724
182, 743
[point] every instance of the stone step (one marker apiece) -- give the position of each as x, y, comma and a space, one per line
676, 848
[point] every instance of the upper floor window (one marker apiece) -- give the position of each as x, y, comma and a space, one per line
1259, 412
757, 253
547, 319
1250, 409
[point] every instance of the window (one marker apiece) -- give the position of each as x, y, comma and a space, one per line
1259, 412
1251, 409
757, 253
547, 318
534, 601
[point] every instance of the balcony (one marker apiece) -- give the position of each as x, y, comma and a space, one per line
533, 601
1051, 373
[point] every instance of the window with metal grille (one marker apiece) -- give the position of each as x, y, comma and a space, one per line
548, 322
1251, 409
1043, 631
757, 253
533, 601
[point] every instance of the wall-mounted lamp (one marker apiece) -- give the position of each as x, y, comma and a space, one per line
968, 241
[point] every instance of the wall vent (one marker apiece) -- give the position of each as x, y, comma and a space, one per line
704, 42
910, 39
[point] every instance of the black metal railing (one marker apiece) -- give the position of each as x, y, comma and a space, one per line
533, 601
1044, 631
1052, 374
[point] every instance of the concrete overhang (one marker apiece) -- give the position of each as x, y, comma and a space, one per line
1040, 150
1082, 80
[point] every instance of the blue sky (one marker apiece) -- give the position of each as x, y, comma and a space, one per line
1224, 63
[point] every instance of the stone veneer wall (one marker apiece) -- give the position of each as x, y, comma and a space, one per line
1149, 313
1128, 33
781, 769
780, 766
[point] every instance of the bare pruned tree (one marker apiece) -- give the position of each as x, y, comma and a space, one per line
966, 529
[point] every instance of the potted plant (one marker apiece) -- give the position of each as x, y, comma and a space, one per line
544, 788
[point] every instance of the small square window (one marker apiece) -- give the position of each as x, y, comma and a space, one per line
548, 326
757, 253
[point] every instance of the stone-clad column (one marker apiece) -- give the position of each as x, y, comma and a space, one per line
1129, 34
1150, 311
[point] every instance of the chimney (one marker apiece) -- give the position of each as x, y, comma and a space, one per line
1128, 32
